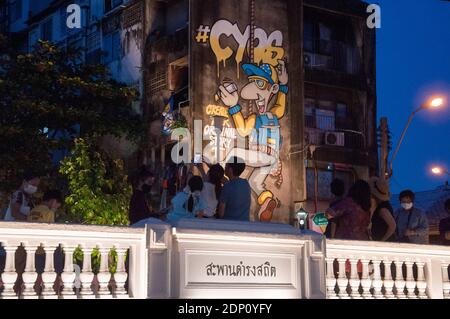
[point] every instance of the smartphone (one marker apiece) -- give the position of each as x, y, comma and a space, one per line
231, 87
198, 159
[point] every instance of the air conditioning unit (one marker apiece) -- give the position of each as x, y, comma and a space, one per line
335, 139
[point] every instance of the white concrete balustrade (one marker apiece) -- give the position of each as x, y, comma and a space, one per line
375, 270
212, 259
25, 243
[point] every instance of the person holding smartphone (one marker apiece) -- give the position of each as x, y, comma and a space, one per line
212, 188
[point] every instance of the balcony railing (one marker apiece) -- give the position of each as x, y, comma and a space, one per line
159, 261
374, 270
334, 55
21, 242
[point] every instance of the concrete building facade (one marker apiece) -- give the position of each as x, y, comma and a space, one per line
300, 77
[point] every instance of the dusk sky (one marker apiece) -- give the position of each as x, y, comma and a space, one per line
413, 48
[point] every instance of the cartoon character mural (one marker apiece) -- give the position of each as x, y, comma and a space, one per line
265, 86
265, 83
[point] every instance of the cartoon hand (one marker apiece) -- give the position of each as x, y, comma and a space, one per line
282, 73
229, 99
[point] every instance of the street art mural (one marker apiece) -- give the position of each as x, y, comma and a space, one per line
268, 50
260, 80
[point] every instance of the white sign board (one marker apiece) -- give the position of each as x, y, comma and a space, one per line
240, 268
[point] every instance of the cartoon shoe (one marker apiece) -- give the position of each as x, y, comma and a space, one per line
266, 211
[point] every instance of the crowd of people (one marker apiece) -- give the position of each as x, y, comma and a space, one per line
366, 214
220, 193
363, 213
22, 207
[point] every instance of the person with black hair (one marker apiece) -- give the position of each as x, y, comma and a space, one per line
412, 223
353, 213
212, 188
140, 208
21, 202
444, 225
337, 188
235, 200
45, 213
383, 223
188, 204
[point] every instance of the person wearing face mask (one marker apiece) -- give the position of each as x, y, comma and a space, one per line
21, 200
45, 213
140, 208
412, 223
188, 203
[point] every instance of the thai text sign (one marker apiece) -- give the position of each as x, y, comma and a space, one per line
240, 268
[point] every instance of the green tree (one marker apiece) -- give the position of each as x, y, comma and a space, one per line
47, 99
99, 192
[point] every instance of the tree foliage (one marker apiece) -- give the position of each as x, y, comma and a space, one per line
47, 99
99, 192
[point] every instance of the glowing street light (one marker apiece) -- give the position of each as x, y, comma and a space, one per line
439, 171
437, 102
433, 103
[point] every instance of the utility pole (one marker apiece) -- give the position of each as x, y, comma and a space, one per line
385, 147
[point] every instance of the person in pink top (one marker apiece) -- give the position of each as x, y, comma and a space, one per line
353, 213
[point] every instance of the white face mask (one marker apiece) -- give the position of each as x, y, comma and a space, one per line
407, 206
30, 189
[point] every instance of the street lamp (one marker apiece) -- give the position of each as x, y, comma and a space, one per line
439, 171
433, 103
302, 216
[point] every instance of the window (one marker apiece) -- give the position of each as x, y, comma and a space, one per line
47, 30
33, 36
16, 10
309, 36
341, 111
323, 180
63, 21
112, 47
325, 120
111, 4
329, 42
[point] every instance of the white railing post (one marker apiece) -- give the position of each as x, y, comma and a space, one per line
354, 278
68, 276
9, 276
366, 281
331, 279
377, 281
120, 277
410, 271
399, 279
30, 275
410, 282
87, 276
421, 282
388, 282
342, 280
104, 276
49, 274
445, 280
